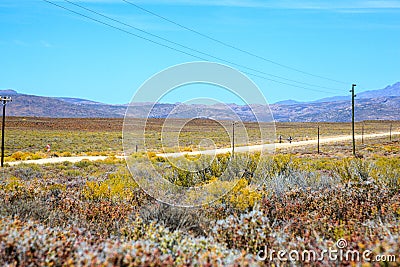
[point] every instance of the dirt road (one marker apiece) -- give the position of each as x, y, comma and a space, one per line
216, 151
60, 159
276, 145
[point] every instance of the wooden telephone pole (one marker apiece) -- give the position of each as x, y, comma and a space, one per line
318, 141
352, 117
362, 134
233, 139
3, 100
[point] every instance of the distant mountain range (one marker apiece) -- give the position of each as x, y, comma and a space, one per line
388, 91
382, 104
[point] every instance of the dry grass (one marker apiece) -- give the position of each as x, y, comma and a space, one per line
88, 136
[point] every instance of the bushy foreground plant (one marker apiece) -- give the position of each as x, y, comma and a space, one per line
30, 243
51, 215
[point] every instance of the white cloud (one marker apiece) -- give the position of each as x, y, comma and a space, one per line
20, 43
382, 4
338, 6
285, 4
282, 4
45, 44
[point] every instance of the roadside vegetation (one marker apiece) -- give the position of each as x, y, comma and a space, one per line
94, 213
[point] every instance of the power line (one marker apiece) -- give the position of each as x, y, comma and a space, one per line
178, 50
232, 46
284, 83
200, 52
122, 30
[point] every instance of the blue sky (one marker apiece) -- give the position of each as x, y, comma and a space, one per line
49, 51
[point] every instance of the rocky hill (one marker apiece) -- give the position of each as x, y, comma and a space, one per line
380, 108
382, 104
40, 106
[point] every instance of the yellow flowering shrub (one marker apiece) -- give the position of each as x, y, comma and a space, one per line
242, 197
13, 184
19, 155
119, 185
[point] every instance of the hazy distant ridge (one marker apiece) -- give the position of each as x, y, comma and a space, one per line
382, 104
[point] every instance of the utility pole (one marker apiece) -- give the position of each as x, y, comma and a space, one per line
3, 100
233, 139
352, 117
362, 134
318, 140
390, 133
